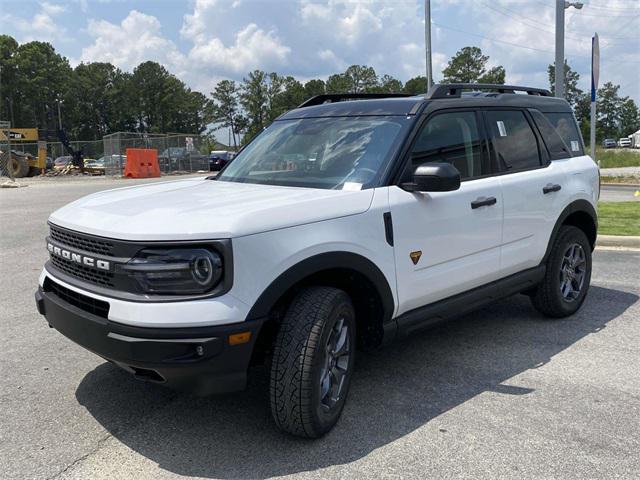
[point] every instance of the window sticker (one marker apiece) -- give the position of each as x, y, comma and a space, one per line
352, 186
575, 146
501, 128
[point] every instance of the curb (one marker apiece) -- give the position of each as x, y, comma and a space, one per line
618, 241
609, 184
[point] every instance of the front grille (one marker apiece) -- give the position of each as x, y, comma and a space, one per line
93, 275
88, 304
81, 242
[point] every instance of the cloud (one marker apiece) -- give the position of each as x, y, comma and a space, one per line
253, 48
42, 26
136, 39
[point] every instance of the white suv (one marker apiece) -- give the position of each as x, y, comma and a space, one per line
342, 226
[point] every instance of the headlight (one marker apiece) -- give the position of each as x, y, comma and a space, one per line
175, 270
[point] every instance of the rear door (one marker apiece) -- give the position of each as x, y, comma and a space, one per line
531, 187
447, 242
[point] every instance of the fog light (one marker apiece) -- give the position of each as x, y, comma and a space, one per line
239, 338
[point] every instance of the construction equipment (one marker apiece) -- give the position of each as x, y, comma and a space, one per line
22, 164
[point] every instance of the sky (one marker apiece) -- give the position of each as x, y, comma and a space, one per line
204, 41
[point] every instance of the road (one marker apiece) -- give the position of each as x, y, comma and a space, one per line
501, 393
619, 193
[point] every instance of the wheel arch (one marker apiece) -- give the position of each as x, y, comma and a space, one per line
580, 214
358, 276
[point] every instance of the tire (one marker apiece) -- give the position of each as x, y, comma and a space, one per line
307, 396
568, 275
18, 166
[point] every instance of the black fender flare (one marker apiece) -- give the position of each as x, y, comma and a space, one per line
316, 264
576, 206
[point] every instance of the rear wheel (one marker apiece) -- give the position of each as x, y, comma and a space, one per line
313, 362
568, 275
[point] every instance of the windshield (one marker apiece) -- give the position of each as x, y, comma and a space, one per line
348, 153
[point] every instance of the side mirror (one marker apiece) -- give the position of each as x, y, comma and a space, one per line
434, 177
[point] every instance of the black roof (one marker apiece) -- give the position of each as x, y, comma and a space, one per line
440, 96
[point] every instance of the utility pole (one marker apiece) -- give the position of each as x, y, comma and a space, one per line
561, 6
59, 116
595, 76
427, 40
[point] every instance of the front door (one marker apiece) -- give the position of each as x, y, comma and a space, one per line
447, 242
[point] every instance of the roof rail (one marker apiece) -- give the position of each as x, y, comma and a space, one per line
454, 90
341, 97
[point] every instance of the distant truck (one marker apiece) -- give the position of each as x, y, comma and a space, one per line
635, 139
624, 142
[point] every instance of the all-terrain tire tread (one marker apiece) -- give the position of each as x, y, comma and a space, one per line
291, 383
546, 298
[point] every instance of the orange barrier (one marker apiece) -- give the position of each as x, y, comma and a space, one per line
142, 163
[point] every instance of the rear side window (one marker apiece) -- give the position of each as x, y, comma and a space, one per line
513, 139
555, 144
453, 138
565, 125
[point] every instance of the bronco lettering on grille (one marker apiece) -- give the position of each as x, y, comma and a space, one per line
78, 258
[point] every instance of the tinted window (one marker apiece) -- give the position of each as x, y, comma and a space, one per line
514, 140
452, 138
555, 145
566, 127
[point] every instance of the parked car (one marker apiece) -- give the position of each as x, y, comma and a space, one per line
344, 225
218, 159
61, 162
624, 142
609, 143
95, 164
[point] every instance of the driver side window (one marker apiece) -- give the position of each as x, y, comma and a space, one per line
453, 138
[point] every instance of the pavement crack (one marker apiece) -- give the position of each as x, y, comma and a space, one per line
78, 460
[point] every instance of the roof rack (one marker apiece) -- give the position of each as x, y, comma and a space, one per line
341, 97
454, 90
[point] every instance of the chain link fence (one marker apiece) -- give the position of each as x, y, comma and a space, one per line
177, 153
5, 152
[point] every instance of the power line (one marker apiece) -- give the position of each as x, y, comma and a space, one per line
504, 41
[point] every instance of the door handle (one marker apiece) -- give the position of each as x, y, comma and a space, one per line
483, 202
551, 187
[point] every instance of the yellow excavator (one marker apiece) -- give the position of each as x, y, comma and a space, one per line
24, 164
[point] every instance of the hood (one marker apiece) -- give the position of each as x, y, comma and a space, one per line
199, 209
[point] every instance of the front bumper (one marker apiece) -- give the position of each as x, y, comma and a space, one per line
195, 359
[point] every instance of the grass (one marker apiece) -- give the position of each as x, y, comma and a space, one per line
619, 218
618, 157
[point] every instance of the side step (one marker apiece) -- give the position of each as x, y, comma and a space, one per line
442, 310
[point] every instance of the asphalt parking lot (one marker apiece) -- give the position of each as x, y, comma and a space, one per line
501, 393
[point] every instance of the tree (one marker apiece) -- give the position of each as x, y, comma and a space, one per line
629, 117
388, 84
41, 79
469, 66
338, 83
416, 85
608, 107
291, 95
226, 108
572, 93
314, 87
8, 49
494, 76
355, 79
254, 98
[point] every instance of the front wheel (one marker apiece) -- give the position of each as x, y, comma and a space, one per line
313, 362
568, 275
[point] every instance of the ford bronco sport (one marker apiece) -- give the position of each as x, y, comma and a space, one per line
350, 221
